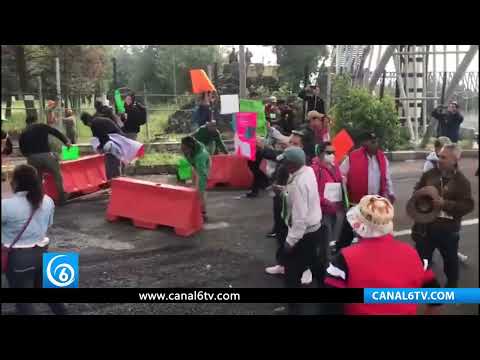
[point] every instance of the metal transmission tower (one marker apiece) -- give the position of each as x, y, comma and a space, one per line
349, 58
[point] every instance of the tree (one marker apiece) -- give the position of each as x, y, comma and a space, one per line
299, 62
356, 110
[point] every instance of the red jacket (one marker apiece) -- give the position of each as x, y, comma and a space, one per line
381, 262
325, 175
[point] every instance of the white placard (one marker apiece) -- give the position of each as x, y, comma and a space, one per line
333, 192
245, 149
229, 104
29, 97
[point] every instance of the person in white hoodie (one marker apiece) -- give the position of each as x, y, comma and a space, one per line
431, 162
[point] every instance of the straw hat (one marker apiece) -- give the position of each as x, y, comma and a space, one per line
372, 217
421, 208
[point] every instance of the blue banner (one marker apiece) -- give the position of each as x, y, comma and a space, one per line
422, 296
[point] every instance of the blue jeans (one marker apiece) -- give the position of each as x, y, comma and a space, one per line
25, 270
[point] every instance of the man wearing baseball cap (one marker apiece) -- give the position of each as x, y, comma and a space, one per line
303, 216
377, 261
365, 171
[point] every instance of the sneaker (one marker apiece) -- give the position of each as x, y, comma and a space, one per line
307, 277
275, 270
463, 258
272, 234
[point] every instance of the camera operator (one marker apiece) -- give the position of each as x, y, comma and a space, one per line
448, 121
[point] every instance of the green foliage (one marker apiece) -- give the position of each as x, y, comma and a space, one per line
357, 111
293, 59
156, 158
156, 66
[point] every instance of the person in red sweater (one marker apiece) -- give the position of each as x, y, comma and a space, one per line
377, 261
365, 171
328, 172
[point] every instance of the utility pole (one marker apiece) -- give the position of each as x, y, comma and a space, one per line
114, 63
242, 73
174, 76
59, 94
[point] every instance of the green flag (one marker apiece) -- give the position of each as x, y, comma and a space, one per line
256, 106
119, 102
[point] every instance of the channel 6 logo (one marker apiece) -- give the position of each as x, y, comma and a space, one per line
60, 270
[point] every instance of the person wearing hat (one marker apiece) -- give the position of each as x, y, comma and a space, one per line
34, 145
314, 132
313, 101
303, 215
440, 199
432, 158
210, 137
448, 121
377, 261
280, 229
365, 171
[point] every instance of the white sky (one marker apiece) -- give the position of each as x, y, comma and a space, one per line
264, 54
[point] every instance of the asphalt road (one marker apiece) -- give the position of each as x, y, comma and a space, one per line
231, 252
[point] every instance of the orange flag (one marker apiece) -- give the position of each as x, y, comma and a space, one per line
342, 142
200, 81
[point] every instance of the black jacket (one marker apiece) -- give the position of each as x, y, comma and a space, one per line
309, 143
136, 116
101, 127
313, 102
448, 124
34, 139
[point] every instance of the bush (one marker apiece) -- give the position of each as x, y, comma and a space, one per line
357, 111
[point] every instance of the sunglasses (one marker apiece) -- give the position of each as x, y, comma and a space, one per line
330, 152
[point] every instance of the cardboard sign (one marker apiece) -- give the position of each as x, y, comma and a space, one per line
229, 104
257, 107
333, 192
245, 135
200, 82
342, 142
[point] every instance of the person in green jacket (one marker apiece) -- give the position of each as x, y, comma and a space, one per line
209, 136
198, 157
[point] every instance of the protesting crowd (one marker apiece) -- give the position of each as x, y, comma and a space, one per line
333, 222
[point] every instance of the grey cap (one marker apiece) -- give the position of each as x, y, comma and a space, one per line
294, 155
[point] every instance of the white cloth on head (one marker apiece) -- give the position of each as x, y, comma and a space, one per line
432, 158
304, 204
121, 147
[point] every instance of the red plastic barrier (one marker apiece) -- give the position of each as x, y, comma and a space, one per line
82, 176
149, 204
229, 170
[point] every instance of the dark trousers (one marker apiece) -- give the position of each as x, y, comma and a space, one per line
112, 166
25, 271
260, 180
346, 236
447, 243
47, 162
308, 253
279, 227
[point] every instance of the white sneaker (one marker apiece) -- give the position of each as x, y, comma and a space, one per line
462, 258
275, 270
306, 277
